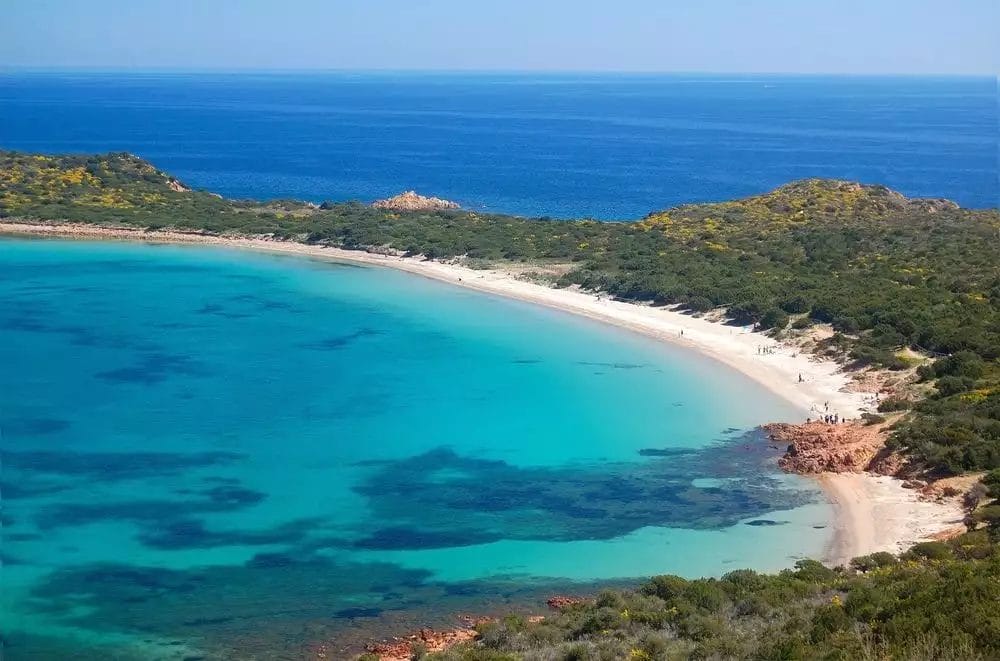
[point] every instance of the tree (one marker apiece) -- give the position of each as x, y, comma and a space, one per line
774, 318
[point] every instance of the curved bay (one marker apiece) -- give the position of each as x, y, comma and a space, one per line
206, 448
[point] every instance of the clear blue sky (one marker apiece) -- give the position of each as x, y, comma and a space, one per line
812, 36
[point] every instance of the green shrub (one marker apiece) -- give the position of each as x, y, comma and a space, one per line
706, 595
872, 419
890, 404
992, 482
813, 571
828, 619
953, 385
577, 652
989, 515
931, 550
774, 318
699, 304
873, 561
965, 364
666, 587
795, 305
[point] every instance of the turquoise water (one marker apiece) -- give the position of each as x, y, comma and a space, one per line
208, 451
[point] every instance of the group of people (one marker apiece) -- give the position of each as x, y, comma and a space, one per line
765, 351
827, 417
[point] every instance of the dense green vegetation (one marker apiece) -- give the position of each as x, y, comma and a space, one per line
886, 272
957, 429
937, 601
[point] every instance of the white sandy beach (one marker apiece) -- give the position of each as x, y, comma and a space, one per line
874, 513
823, 381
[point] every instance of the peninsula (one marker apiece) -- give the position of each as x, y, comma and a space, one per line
874, 313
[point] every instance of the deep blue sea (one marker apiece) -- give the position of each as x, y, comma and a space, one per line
604, 146
209, 452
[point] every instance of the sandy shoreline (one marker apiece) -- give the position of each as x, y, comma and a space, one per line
875, 513
872, 513
823, 381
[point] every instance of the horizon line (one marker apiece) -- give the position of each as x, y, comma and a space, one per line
472, 71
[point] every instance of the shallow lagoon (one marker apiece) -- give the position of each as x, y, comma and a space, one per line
211, 452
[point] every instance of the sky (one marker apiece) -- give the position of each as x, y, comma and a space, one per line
778, 36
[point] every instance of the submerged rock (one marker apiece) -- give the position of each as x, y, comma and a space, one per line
410, 201
765, 523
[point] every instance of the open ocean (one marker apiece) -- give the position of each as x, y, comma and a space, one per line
604, 146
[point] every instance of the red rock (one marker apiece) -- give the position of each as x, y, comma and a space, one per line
410, 201
818, 447
561, 602
401, 649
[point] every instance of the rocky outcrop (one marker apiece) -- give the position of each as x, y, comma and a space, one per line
410, 201
818, 447
177, 186
561, 602
428, 640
